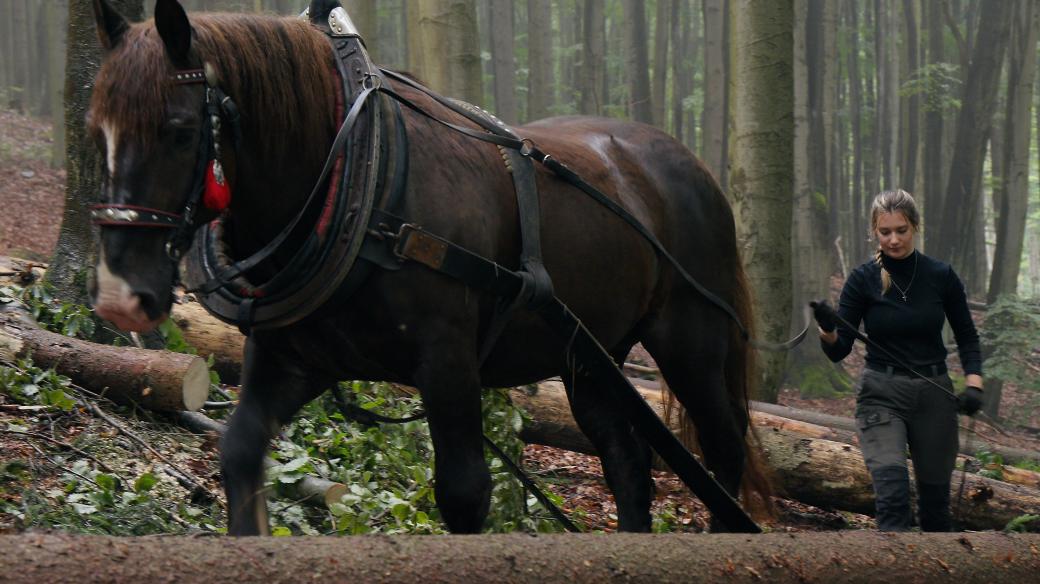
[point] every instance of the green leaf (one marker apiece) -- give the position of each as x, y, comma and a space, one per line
145, 482
106, 481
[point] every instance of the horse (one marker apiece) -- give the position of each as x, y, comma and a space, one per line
413, 325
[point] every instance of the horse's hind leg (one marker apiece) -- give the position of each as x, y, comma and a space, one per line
271, 395
450, 387
624, 455
690, 350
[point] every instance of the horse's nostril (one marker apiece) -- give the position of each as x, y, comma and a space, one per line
149, 304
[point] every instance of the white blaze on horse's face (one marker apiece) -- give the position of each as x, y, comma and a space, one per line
117, 303
111, 144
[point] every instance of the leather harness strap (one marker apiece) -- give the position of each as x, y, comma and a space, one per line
411, 242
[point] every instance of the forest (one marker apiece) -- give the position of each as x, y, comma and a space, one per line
803, 111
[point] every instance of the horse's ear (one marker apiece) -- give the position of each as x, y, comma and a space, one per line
174, 28
111, 26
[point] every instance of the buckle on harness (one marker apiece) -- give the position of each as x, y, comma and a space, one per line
415, 244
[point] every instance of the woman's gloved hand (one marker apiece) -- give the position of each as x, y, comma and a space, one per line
970, 401
824, 315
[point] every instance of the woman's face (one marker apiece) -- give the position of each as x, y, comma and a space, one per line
895, 235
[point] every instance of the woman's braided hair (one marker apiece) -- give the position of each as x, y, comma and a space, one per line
892, 202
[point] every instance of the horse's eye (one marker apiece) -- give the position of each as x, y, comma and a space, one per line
184, 137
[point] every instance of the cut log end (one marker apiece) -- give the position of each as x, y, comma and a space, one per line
196, 385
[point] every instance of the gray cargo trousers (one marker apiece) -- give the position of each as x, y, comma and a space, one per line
894, 412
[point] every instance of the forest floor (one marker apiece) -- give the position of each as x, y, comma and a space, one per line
31, 202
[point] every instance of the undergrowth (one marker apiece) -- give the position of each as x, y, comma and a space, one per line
388, 469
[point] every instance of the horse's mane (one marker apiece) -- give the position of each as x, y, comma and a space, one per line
278, 70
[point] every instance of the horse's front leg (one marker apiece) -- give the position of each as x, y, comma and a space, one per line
450, 387
272, 392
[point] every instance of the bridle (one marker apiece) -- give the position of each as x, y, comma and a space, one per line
217, 106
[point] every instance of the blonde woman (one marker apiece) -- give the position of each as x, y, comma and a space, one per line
902, 297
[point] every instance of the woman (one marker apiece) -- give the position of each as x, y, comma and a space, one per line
902, 297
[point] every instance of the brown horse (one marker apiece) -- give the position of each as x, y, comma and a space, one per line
413, 325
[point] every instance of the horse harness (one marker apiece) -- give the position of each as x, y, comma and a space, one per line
349, 225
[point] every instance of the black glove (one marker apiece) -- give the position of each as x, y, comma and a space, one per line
970, 401
824, 315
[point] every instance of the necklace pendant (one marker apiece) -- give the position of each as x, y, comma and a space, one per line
904, 298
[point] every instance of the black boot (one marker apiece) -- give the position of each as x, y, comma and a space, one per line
892, 498
933, 507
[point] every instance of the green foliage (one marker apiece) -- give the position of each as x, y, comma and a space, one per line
992, 465
27, 384
1012, 334
72, 320
388, 468
1023, 524
1032, 465
820, 380
938, 85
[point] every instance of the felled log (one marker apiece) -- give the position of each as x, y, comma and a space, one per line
820, 472
854, 557
210, 336
156, 380
968, 447
309, 489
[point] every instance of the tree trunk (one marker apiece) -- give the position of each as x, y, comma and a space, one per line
761, 163
931, 202
593, 59
20, 57
76, 250
364, 14
912, 120
662, 28
503, 60
961, 202
539, 59
812, 256
637, 61
684, 53
156, 380
713, 117
861, 556
444, 47
1014, 204
55, 13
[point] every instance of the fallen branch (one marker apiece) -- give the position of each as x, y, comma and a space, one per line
310, 489
186, 479
64, 445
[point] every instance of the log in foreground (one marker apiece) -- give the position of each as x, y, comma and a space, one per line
820, 472
156, 380
572, 558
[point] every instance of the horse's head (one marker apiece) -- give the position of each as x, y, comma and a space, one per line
150, 122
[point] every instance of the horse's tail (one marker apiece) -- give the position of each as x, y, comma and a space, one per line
740, 370
741, 373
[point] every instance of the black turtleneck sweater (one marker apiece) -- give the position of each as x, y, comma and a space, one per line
912, 329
